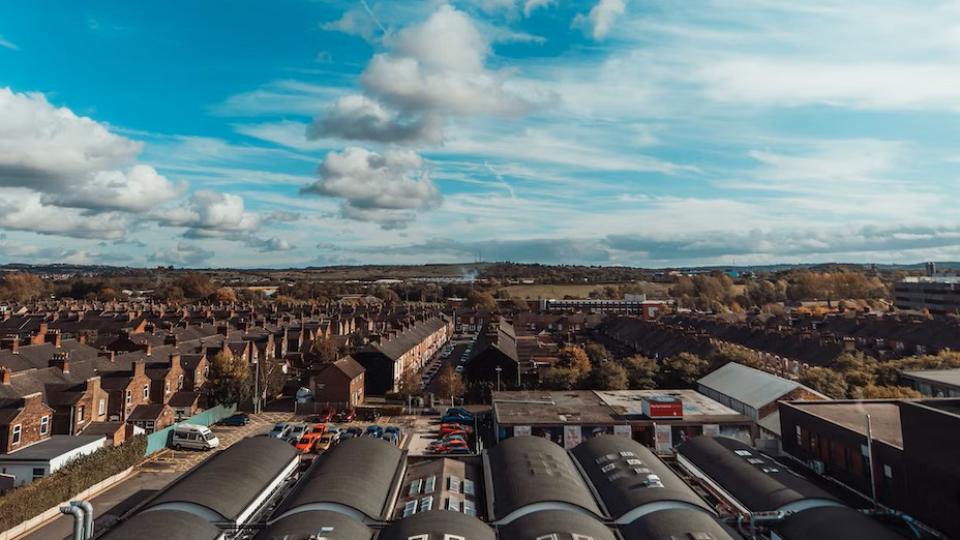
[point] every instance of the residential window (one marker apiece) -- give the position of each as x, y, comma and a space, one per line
129, 397
80, 413
146, 391
166, 387
15, 435
180, 383
799, 436
44, 425
102, 407
38, 472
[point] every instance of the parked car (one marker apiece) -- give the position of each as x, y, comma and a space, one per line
391, 438
279, 430
305, 444
318, 428
453, 427
295, 432
239, 419
368, 415
351, 433
327, 414
193, 437
346, 415
326, 441
459, 411
374, 431
452, 447
456, 419
395, 430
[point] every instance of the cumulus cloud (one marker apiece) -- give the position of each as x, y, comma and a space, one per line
181, 255
387, 188
24, 210
284, 216
357, 117
601, 17
265, 245
73, 161
209, 214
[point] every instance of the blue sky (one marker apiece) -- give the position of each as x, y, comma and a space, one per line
650, 133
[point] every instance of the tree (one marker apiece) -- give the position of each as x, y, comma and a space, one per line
683, 370
596, 352
641, 372
519, 304
609, 376
887, 392
21, 287
195, 285
559, 378
573, 357
225, 294
826, 381
324, 350
229, 380
449, 383
410, 384
726, 353
481, 300
388, 295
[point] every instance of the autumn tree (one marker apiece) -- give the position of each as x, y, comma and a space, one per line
195, 285
449, 383
409, 384
573, 357
324, 350
596, 352
224, 294
519, 304
608, 376
889, 392
726, 353
826, 381
559, 378
229, 380
682, 370
641, 372
22, 287
481, 300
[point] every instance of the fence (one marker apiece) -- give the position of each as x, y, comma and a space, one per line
158, 440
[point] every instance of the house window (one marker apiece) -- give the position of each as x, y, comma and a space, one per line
888, 472
799, 436
180, 383
146, 391
166, 387
38, 472
129, 397
15, 435
44, 425
80, 413
102, 407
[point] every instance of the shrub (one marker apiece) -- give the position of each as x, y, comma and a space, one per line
27, 501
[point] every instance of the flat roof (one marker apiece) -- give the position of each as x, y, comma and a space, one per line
884, 417
54, 447
585, 407
949, 377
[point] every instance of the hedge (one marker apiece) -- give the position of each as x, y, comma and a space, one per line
27, 501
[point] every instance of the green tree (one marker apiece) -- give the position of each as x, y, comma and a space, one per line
609, 376
559, 378
826, 381
449, 383
596, 352
229, 380
889, 392
641, 372
682, 370
726, 353
481, 300
573, 357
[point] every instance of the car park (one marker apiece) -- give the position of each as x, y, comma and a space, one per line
305, 444
351, 433
326, 441
193, 437
239, 419
295, 432
279, 430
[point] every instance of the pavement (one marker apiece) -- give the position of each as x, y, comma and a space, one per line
153, 475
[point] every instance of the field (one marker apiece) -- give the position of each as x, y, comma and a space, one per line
532, 292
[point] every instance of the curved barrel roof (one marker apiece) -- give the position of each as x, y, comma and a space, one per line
529, 470
312, 523
166, 524
677, 523
833, 523
358, 473
757, 482
628, 476
438, 524
231, 480
562, 523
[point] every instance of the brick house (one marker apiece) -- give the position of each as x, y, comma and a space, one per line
127, 390
339, 382
24, 422
166, 378
195, 368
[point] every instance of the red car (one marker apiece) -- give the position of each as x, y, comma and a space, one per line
346, 415
327, 414
452, 446
450, 429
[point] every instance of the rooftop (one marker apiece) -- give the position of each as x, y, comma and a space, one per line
884, 417
748, 385
941, 376
54, 447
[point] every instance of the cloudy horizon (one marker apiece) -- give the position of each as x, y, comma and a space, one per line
616, 132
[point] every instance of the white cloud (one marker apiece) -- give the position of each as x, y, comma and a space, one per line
210, 214
7, 44
74, 161
182, 254
529, 6
24, 210
356, 117
601, 17
373, 187
272, 244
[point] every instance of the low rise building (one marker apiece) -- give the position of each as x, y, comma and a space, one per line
934, 382
340, 382
47, 456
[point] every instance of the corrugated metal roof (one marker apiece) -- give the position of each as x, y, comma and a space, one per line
748, 385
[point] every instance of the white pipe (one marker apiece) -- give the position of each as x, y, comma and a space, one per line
78, 517
88, 517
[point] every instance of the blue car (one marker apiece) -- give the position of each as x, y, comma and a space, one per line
239, 419
395, 430
374, 431
456, 419
458, 411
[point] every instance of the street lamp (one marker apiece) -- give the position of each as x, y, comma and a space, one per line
498, 370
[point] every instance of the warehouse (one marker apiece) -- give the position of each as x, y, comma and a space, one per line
315, 522
678, 523
230, 487
166, 524
559, 524
831, 523
437, 525
530, 474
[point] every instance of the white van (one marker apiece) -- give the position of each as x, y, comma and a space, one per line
194, 437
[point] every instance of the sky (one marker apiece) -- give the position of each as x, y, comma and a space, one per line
606, 132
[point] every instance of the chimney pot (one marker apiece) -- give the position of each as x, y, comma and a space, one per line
5, 375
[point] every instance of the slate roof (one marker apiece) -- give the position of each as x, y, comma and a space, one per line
334, 525
438, 524
166, 524
348, 366
833, 523
230, 480
358, 473
561, 522
941, 376
526, 470
681, 523
763, 486
408, 339
55, 446
747, 385
612, 462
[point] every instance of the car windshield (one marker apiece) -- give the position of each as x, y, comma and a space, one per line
209, 436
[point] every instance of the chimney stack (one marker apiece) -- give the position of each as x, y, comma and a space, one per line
61, 360
11, 343
5, 375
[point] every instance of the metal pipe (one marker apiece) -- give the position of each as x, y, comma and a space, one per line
88, 518
78, 518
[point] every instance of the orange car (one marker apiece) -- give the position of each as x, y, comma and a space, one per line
305, 444
319, 428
